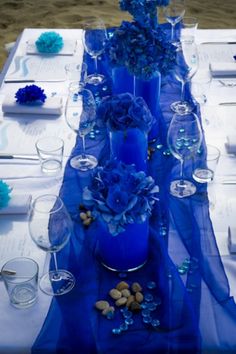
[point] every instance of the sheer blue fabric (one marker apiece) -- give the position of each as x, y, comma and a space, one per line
74, 326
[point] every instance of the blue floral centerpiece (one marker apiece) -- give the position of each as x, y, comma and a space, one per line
121, 198
128, 120
139, 53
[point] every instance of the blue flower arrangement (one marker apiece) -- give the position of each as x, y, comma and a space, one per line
49, 42
120, 195
5, 191
30, 94
143, 11
124, 111
142, 49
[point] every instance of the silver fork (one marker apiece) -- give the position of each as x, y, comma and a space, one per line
227, 84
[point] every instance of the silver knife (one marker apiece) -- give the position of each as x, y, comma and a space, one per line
227, 103
18, 156
218, 43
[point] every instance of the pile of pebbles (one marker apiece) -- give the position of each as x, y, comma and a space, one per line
130, 300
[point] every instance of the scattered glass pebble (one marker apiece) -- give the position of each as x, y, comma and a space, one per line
181, 130
147, 319
155, 323
127, 314
157, 301
122, 275
144, 305
110, 315
182, 270
124, 327
148, 297
159, 146
116, 331
146, 313
166, 152
129, 321
152, 306
151, 285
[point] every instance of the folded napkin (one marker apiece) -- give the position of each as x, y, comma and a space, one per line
232, 239
230, 145
223, 69
68, 48
18, 204
52, 105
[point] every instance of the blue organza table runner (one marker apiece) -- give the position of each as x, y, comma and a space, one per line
74, 326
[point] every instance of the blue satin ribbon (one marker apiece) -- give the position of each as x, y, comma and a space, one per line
74, 326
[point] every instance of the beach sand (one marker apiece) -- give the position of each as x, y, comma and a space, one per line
19, 14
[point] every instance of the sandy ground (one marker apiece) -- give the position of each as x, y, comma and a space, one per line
15, 15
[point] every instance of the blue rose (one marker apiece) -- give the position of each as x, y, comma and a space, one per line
117, 199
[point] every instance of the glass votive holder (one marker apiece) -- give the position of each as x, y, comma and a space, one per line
77, 72
189, 26
20, 276
205, 167
50, 152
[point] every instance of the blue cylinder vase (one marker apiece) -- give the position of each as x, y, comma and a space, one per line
126, 252
122, 81
129, 146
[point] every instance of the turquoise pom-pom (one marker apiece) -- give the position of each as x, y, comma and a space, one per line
5, 191
49, 42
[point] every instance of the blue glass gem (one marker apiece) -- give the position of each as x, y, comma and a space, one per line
152, 306
159, 147
147, 319
151, 285
110, 315
129, 321
116, 331
127, 314
146, 313
122, 275
148, 297
157, 301
155, 323
144, 305
124, 327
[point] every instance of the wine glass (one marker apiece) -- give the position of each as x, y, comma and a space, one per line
94, 39
80, 116
173, 14
187, 62
50, 228
184, 139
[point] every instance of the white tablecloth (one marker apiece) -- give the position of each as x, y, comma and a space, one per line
19, 328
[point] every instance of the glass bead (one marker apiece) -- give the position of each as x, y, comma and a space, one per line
152, 306
116, 330
181, 270
147, 319
127, 314
129, 321
157, 301
144, 305
110, 315
151, 285
159, 146
123, 327
181, 130
155, 323
146, 313
148, 297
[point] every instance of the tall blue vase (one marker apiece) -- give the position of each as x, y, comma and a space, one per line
123, 81
127, 251
130, 146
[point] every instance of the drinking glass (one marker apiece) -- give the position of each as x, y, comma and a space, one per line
81, 116
50, 228
76, 72
184, 139
94, 39
187, 62
189, 26
173, 14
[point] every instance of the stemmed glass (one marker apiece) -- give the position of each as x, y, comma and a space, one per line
187, 62
50, 227
173, 14
184, 139
81, 116
94, 39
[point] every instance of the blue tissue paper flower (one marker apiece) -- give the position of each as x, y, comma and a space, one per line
30, 94
124, 111
5, 191
49, 42
120, 195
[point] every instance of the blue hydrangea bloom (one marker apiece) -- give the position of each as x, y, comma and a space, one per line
120, 195
30, 94
125, 111
49, 42
5, 191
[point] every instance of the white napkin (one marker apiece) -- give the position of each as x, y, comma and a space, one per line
67, 49
232, 239
223, 69
230, 145
52, 105
18, 204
